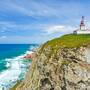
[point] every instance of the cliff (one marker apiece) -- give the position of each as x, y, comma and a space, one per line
60, 64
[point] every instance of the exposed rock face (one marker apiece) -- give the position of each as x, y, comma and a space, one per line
62, 69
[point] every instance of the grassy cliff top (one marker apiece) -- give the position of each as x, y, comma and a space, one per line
70, 41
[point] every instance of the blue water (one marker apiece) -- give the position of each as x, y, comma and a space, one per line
11, 64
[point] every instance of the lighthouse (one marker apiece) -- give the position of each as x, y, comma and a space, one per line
82, 25
82, 29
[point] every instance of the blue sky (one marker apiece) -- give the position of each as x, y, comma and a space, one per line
36, 21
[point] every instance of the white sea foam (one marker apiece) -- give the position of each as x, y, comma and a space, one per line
8, 65
12, 74
29, 52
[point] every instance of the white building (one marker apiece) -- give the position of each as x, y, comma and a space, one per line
82, 29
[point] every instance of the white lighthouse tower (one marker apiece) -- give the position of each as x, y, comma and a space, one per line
82, 29
82, 25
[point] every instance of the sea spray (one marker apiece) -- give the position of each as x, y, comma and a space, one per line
16, 68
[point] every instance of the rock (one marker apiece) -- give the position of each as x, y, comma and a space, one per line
62, 69
29, 56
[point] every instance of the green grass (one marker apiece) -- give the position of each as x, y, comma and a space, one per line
69, 40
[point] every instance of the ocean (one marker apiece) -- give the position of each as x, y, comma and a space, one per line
12, 66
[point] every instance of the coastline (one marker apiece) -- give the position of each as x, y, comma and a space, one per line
59, 65
17, 67
28, 55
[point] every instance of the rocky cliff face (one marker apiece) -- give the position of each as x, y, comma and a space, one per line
59, 69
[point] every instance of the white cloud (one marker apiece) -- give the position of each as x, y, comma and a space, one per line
30, 8
59, 28
5, 25
3, 37
43, 28
87, 24
2, 31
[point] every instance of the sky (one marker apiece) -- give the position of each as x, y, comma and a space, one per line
36, 21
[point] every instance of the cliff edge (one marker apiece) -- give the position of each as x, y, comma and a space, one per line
60, 64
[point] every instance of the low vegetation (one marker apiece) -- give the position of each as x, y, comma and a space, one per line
70, 41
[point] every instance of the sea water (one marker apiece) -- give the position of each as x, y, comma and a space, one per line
12, 65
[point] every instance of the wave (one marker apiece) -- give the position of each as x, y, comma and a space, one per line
10, 76
16, 67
